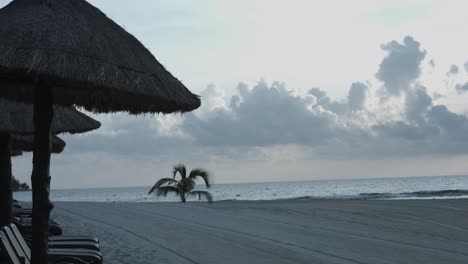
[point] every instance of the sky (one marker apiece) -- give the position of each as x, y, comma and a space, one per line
291, 90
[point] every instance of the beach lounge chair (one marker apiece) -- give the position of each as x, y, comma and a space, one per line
74, 245
89, 238
25, 225
55, 255
55, 241
26, 228
20, 238
70, 244
22, 212
16, 204
28, 219
8, 254
55, 235
23, 218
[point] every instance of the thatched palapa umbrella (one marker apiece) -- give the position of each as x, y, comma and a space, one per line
18, 118
69, 52
16, 153
17, 134
22, 143
19, 144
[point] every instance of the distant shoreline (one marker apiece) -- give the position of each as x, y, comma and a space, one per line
270, 182
22, 190
377, 189
296, 199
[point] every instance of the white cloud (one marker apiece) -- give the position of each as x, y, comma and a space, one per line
401, 66
272, 115
453, 70
461, 88
357, 96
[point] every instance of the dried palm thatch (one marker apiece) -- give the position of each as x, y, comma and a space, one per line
88, 59
16, 153
18, 118
68, 52
20, 143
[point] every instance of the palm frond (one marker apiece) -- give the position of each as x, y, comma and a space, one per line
180, 168
162, 182
188, 184
201, 194
164, 190
204, 174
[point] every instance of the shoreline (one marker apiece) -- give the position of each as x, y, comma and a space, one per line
415, 188
285, 231
279, 182
299, 198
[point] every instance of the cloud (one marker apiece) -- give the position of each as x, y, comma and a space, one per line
130, 135
428, 128
318, 93
401, 66
263, 118
466, 66
453, 70
417, 103
461, 88
265, 115
451, 125
357, 95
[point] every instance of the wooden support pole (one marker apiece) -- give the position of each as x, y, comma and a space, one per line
40, 178
6, 195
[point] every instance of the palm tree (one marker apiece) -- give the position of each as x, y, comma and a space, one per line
184, 187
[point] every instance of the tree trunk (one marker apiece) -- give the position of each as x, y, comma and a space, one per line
40, 178
6, 195
182, 196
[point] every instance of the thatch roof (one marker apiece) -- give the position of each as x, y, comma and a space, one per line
89, 60
26, 143
17, 118
16, 153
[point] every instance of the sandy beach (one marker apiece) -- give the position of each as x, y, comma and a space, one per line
403, 231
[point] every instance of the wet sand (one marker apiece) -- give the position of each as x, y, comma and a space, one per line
403, 231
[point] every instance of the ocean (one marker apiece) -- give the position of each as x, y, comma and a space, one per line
440, 187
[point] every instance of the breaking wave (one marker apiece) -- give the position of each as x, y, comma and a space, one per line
440, 194
418, 194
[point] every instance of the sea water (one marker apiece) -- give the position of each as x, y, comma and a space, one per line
390, 188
